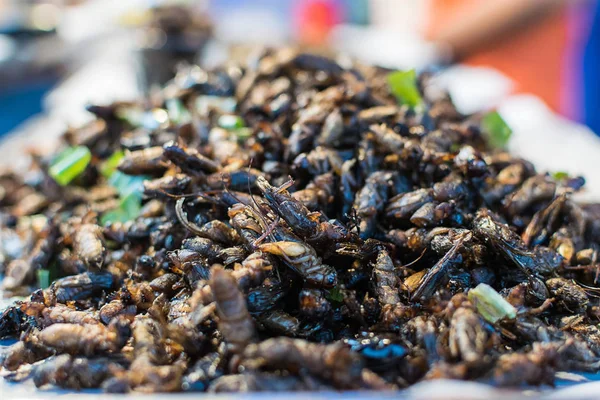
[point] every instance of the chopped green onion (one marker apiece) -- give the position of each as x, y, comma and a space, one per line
230, 122
43, 277
178, 114
131, 204
69, 164
403, 85
109, 166
129, 209
336, 295
560, 175
496, 130
490, 305
126, 184
130, 190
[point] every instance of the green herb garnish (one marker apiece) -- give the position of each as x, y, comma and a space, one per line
43, 278
126, 184
490, 305
131, 204
129, 209
403, 85
496, 130
69, 164
130, 189
116, 215
109, 166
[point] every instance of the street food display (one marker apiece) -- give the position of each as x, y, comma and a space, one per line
295, 223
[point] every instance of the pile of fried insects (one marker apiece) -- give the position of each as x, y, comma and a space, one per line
294, 223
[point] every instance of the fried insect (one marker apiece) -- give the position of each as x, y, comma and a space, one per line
537, 366
11, 320
79, 287
542, 222
235, 322
319, 194
510, 246
467, 337
299, 218
21, 271
206, 370
219, 232
348, 186
239, 180
304, 260
251, 272
76, 373
18, 354
89, 246
281, 322
244, 221
387, 288
256, 382
266, 296
60, 313
371, 199
434, 277
570, 296
366, 244
164, 187
333, 362
189, 161
145, 161
313, 303
116, 307
86, 340
404, 205
148, 371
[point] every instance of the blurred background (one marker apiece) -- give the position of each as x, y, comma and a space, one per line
536, 61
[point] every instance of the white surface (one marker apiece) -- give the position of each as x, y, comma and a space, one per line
475, 89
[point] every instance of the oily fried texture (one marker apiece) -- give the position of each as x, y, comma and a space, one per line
286, 225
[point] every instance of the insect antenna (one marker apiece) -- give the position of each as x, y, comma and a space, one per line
257, 210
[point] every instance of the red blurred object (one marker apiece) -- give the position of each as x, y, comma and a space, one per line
314, 20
